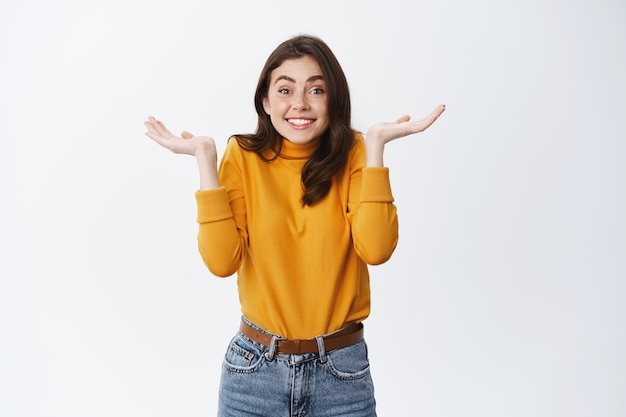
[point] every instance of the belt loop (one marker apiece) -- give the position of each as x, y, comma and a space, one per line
269, 355
321, 348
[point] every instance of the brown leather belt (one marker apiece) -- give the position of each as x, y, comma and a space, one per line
348, 336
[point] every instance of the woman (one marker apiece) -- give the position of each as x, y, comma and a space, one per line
297, 209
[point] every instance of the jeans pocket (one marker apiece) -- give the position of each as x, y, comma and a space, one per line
349, 363
241, 356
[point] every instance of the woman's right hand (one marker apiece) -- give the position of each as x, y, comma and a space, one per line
186, 143
202, 147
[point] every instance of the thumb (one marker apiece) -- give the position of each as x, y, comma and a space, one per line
404, 118
186, 135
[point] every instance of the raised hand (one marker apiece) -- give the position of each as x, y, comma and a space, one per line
404, 126
382, 133
186, 143
202, 147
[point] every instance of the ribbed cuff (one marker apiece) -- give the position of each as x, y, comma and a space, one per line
213, 205
375, 186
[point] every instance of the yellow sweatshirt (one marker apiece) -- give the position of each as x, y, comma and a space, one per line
301, 270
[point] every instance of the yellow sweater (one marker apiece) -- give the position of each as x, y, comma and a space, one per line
301, 270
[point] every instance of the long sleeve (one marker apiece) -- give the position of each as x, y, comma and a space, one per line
372, 214
375, 224
223, 235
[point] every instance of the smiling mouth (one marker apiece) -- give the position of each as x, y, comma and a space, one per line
300, 122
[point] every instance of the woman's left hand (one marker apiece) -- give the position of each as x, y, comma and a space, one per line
404, 126
382, 133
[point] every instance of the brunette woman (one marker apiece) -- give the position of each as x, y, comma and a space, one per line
298, 210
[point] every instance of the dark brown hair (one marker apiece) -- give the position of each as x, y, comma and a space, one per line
335, 143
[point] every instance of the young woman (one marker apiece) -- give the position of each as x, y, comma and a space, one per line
297, 209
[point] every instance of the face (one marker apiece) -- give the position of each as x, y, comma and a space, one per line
296, 100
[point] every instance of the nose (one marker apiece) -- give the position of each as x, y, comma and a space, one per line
299, 102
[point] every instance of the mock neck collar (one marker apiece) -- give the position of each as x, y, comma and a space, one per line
292, 150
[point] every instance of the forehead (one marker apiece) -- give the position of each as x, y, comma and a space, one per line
297, 68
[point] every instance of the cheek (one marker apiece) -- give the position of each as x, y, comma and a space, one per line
322, 108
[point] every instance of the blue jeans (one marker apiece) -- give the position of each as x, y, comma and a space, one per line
257, 381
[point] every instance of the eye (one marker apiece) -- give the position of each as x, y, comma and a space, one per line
284, 90
317, 91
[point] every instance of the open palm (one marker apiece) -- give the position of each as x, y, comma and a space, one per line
403, 126
186, 143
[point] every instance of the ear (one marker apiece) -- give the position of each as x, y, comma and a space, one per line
266, 105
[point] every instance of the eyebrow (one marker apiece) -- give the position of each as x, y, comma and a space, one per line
291, 80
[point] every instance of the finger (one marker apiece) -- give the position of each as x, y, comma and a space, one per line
435, 114
153, 125
403, 119
150, 123
151, 128
158, 127
425, 123
440, 109
164, 141
186, 135
163, 128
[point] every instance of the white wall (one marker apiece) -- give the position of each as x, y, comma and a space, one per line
506, 294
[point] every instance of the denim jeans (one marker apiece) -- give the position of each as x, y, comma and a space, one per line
257, 381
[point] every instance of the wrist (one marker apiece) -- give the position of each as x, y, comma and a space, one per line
205, 150
374, 148
206, 157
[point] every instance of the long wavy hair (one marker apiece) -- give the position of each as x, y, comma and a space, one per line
335, 143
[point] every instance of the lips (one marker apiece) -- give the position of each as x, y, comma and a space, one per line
300, 122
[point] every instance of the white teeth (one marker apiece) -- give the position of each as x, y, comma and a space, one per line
300, 122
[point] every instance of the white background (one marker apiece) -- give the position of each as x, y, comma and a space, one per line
506, 294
